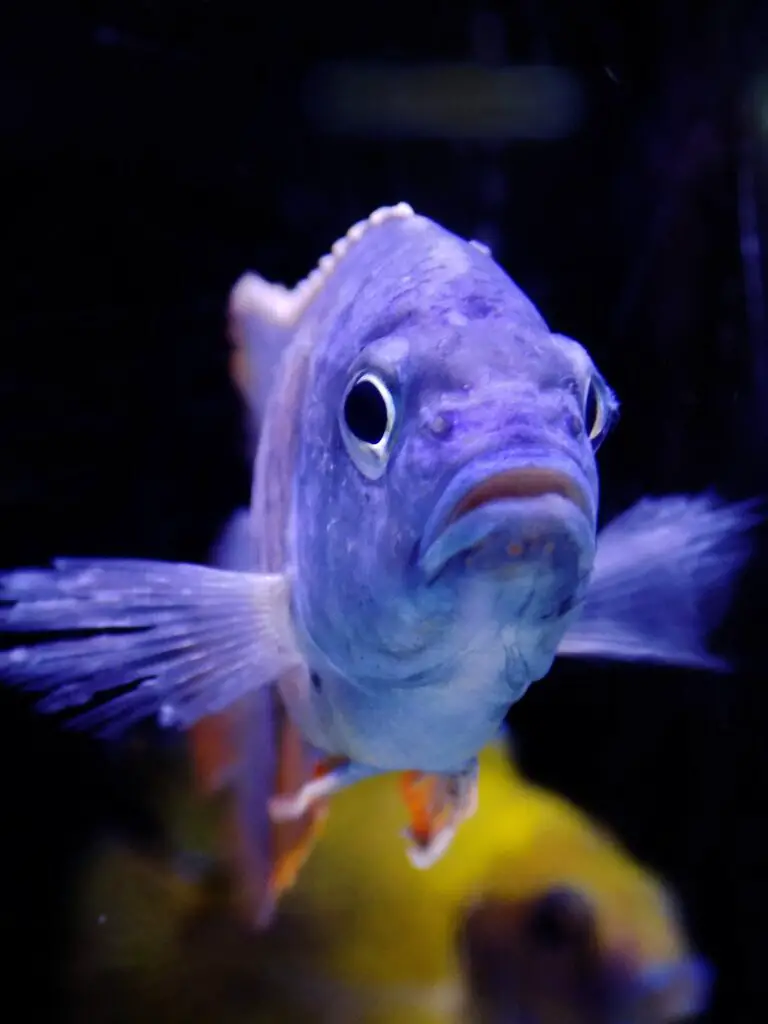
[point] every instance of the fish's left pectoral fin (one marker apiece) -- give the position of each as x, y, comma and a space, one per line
437, 804
142, 639
662, 581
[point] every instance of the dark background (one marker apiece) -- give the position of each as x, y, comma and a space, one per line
153, 151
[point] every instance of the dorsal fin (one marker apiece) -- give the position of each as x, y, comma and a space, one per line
262, 316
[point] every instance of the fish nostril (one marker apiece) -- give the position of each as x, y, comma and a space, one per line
441, 425
574, 425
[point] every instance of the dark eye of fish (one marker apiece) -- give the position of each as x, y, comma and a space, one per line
367, 422
560, 919
366, 411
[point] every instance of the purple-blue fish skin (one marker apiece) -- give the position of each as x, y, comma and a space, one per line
437, 629
422, 534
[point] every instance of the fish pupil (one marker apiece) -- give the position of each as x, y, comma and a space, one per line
366, 413
557, 921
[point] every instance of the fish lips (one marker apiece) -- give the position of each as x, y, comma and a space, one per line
525, 508
674, 991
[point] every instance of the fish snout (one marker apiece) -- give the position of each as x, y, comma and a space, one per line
666, 993
512, 519
541, 961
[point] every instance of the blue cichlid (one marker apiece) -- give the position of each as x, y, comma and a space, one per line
422, 542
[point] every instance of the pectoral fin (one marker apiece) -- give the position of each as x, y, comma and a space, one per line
181, 641
663, 576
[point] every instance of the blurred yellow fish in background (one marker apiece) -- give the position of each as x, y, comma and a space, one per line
534, 916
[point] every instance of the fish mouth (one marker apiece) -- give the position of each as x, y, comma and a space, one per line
499, 936
517, 512
529, 482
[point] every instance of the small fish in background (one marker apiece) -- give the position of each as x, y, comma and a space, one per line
422, 545
536, 915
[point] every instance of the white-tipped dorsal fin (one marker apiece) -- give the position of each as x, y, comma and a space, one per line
306, 290
480, 246
263, 315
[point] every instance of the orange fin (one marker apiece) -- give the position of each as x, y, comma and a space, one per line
292, 841
256, 753
213, 752
436, 804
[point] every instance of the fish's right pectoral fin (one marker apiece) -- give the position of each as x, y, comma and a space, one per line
180, 641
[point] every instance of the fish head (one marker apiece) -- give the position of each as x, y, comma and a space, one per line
542, 961
446, 471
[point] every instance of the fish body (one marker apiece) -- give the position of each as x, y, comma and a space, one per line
413, 374
421, 542
570, 928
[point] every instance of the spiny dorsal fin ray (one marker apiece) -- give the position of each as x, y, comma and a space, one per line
263, 315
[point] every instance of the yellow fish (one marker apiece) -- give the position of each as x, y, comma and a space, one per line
534, 916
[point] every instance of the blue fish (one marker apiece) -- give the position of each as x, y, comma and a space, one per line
422, 539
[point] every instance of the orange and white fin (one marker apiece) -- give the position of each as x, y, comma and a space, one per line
291, 842
437, 804
211, 750
255, 754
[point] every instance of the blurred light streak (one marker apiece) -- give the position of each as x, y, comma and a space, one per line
465, 102
488, 34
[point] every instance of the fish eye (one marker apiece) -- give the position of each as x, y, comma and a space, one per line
561, 918
600, 409
368, 410
367, 423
